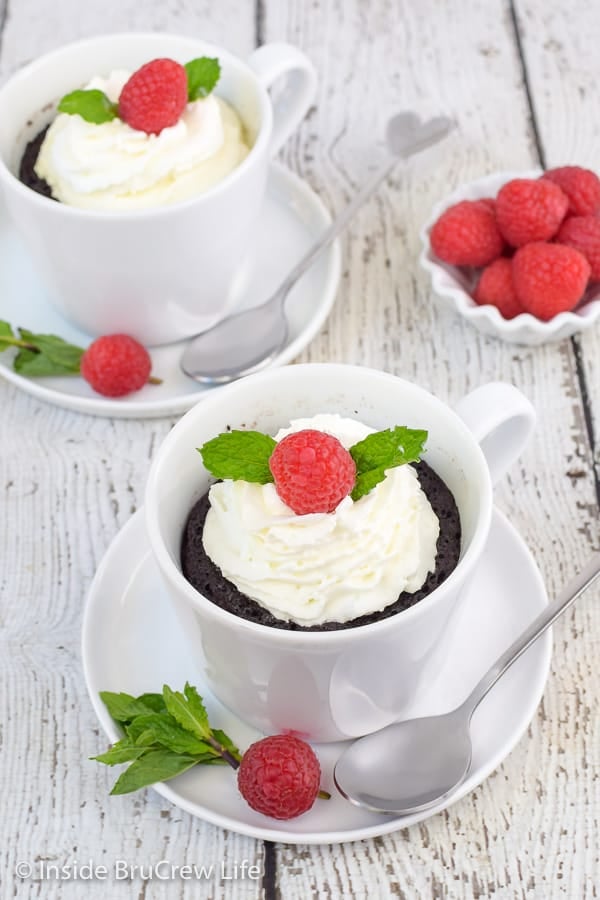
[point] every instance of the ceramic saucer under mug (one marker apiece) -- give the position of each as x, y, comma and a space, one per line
292, 218
133, 642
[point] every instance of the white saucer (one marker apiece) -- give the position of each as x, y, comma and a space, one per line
292, 218
133, 642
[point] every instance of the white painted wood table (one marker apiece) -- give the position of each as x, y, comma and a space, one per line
521, 81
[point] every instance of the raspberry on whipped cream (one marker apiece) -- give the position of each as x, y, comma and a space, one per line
111, 166
323, 567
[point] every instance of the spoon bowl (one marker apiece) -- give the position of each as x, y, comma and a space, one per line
248, 341
413, 765
407, 767
237, 346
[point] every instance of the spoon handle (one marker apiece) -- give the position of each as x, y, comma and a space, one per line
423, 139
548, 615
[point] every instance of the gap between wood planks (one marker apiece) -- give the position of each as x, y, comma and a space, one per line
270, 889
575, 341
3, 18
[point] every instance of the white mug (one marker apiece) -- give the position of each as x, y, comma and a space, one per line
332, 685
164, 273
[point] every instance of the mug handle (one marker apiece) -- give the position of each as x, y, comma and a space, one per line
502, 420
272, 61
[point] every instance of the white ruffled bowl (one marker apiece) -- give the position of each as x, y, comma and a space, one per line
453, 285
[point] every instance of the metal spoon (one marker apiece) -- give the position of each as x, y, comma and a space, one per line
248, 341
413, 765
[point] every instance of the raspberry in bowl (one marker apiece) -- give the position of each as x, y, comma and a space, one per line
309, 641
541, 286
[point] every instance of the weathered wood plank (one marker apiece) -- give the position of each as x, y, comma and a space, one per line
562, 67
68, 483
435, 57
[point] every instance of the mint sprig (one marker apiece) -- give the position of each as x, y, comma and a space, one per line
239, 456
244, 455
165, 734
92, 105
384, 450
202, 76
40, 354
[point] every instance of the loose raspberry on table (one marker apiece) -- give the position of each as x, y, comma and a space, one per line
496, 287
529, 210
466, 234
312, 471
583, 233
549, 278
115, 365
155, 96
279, 776
581, 186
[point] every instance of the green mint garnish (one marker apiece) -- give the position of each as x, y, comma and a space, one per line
93, 106
239, 456
202, 75
124, 708
384, 450
152, 766
40, 354
244, 456
165, 734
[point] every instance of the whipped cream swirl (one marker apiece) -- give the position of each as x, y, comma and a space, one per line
112, 166
324, 567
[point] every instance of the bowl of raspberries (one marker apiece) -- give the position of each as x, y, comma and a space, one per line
518, 254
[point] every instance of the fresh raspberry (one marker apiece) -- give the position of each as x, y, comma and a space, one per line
549, 278
279, 776
312, 471
581, 186
155, 96
115, 365
466, 234
583, 233
530, 210
496, 287
489, 203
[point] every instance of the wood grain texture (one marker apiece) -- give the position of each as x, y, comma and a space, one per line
463, 61
69, 482
563, 70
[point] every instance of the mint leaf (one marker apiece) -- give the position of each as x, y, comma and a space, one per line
123, 707
202, 75
141, 736
188, 710
46, 354
121, 752
240, 456
7, 335
165, 731
384, 450
93, 106
156, 702
40, 354
153, 766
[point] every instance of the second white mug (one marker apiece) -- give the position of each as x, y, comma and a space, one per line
165, 273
